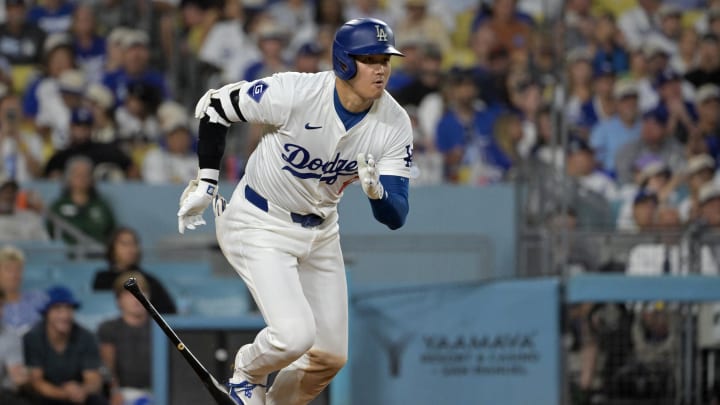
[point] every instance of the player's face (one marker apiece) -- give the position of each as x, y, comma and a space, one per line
372, 75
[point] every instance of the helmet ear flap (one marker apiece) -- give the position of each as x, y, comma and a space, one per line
344, 65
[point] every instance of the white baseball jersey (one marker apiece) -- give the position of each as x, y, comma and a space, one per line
307, 158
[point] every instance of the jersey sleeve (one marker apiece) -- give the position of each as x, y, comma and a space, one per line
397, 158
267, 100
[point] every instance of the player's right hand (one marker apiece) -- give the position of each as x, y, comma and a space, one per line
194, 200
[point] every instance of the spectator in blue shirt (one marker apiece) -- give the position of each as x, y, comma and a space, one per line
681, 114
20, 311
52, 16
89, 47
602, 104
610, 135
135, 68
608, 50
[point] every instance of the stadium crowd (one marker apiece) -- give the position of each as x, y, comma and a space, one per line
622, 97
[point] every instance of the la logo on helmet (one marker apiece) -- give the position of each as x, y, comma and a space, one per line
381, 35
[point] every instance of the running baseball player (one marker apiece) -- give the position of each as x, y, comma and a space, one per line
280, 228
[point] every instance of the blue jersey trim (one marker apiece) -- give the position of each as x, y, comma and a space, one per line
393, 208
349, 119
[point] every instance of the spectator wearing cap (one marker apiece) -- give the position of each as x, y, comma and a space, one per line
52, 16
18, 224
654, 141
114, 48
681, 114
81, 205
21, 41
669, 18
21, 151
602, 105
21, 304
173, 159
608, 136
427, 79
272, 40
645, 206
109, 158
580, 165
708, 63
62, 357
709, 202
526, 100
464, 132
101, 102
706, 137
607, 48
135, 68
418, 22
700, 171
54, 110
657, 54
579, 73
651, 175
639, 22
89, 46
307, 58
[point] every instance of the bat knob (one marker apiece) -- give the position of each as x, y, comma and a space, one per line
131, 282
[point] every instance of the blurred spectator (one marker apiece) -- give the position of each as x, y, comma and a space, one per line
406, 69
654, 141
174, 159
307, 58
17, 224
709, 201
419, 23
602, 104
297, 15
135, 68
115, 48
651, 176
52, 16
644, 211
512, 29
89, 46
100, 101
503, 152
272, 40
657, 55
427, 79
464, 132
227, 47
81, 205
681, 114
640, 74
330, 13
548, 148
125, 344
608, 49
609, 136
580, 72
669, 27
21, 151
21, 306
526, 99
700, 171
110, 162
112, 14
578, 23
708, 63
63, 357
124, 254
13, 373
685, 59
709, 21
368, 8
136, 119
60, 98
706, 137
639, 22
580, 165
21, 41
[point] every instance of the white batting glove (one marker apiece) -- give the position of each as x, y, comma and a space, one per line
369, 177
193, 202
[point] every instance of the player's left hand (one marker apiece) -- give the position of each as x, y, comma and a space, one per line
369, 177
194, 200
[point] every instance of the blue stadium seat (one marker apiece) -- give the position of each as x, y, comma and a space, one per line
76, 275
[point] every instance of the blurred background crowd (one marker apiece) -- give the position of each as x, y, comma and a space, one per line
608, 109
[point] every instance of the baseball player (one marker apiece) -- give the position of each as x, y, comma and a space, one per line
280, 228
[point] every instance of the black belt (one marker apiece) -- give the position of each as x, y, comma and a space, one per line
305, 220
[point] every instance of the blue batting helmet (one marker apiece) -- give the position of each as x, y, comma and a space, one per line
361, 36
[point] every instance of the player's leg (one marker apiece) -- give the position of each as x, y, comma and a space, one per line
272, 278
324, 284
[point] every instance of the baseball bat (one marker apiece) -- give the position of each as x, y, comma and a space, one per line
217, 391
